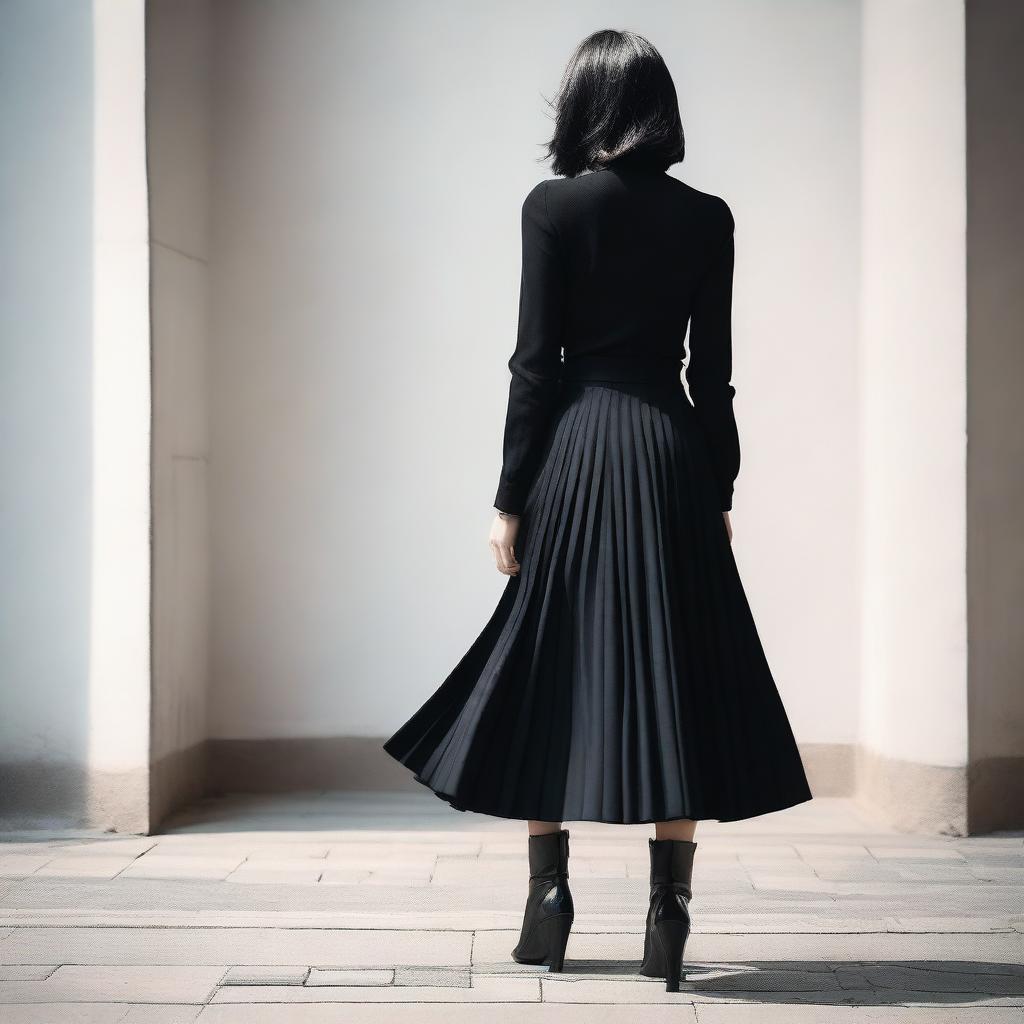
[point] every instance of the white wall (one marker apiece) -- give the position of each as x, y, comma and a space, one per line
914, 382
369, 165
74, 737
46, 181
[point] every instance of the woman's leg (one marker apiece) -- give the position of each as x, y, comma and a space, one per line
539, 828
681, 829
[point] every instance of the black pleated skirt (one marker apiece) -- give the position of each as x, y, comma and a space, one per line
621, 677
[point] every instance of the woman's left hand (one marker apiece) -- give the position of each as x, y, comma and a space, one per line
502, 541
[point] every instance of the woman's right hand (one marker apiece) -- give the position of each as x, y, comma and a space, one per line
502, 541
728, 525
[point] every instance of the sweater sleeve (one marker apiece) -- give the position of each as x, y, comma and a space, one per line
536, 363
709, 369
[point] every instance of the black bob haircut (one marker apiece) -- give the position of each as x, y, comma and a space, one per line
616, 98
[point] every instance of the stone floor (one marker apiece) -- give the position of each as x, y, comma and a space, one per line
370, 907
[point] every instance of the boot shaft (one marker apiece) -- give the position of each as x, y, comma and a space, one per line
672, 864
549, 855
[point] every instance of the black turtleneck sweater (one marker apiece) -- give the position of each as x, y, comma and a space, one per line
615, 264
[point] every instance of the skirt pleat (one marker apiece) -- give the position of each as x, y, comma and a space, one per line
620, 677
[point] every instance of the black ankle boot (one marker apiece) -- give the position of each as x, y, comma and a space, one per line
668, 919
549, 909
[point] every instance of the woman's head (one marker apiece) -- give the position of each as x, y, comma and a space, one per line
616, 97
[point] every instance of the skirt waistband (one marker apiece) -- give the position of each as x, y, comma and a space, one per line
625, 369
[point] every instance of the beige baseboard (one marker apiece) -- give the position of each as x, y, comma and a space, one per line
995, 795
283, 765
912, 797
903, 795
57, 795
176, 780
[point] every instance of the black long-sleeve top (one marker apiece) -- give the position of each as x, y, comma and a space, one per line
615, 264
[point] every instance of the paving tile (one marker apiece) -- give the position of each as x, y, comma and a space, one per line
994, 858
633, 848
517, 846
485, 990
600, 868
18, 866
344, 876
231, 946
1013, 876
932, 978
98, 1013
400, 852
774, 923
861, 871
652, 990
492, 947
832, 850
65, 1013
254, 873
76, 983
154, 866
960, 925
12, 848
265, 974
768, 852
446, 977
302, 864
940, 871
129, 847
791, 883
289, 851
94, 866
400, 876
447, 1013
459, 871
921, 852
212, 847
788, 1013
152, 1014
25, 972
330, 976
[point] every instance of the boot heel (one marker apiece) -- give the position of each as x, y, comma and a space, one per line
672, 938
557, 938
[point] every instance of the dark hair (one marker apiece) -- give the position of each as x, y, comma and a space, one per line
616, 97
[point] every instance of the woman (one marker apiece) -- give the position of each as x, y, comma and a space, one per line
621, 677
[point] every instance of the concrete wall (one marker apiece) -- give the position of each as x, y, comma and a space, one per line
914, 711
369, 164
995, 413
74, 733
178, 124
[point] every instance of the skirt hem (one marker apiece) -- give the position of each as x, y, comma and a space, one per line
752, 812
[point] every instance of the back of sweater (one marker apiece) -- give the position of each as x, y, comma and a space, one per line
616, 264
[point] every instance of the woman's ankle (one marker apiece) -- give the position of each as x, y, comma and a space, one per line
681, 830
542, 828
